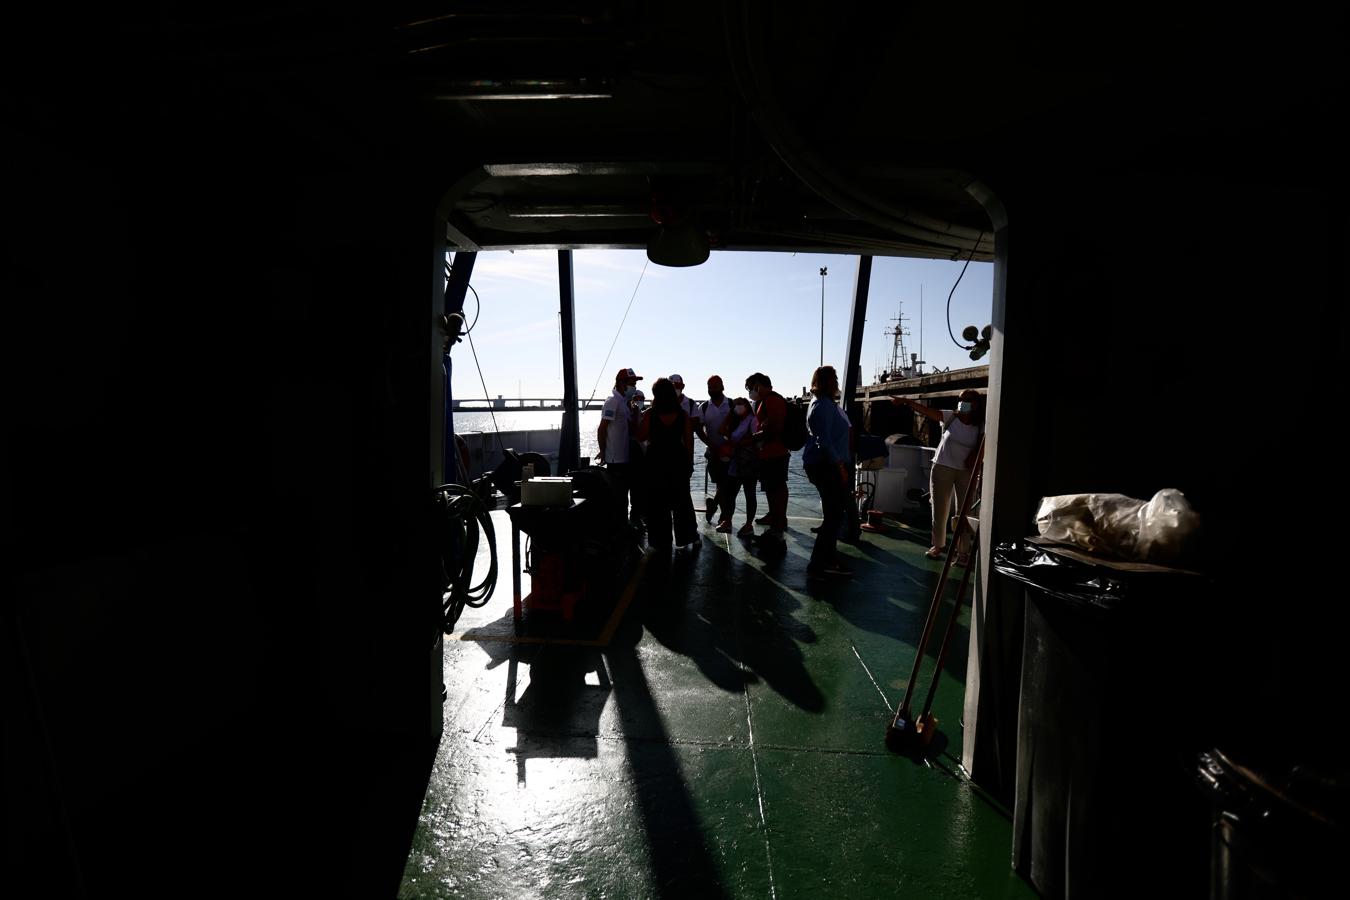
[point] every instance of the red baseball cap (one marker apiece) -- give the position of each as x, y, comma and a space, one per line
627, 375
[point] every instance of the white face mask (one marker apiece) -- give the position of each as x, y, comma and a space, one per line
965, 406
629, 391
679, 390
754, 396
742, 411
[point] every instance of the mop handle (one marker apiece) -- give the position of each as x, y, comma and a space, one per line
951, 627
942, 583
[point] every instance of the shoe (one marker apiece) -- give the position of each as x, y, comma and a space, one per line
724, 526
709, 510
762, 520
747, 531
773, 535
935, 552
962, 559
815, 529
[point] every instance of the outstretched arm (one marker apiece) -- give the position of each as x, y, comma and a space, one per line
926, 411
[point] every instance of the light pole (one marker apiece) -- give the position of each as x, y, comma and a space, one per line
824, 270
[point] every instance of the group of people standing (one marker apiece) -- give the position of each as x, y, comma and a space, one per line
649, 452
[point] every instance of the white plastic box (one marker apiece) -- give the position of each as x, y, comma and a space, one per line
892, 485
546, 491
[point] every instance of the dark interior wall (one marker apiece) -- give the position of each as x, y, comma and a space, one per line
218, 296
1187, 335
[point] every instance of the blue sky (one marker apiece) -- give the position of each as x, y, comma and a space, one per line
735, 314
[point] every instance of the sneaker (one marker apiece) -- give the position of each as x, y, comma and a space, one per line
709, 510
747, 531
724, 526
762, 520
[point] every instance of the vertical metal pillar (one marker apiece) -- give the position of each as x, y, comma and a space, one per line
823, 272
569, 449
461, 269
861, 283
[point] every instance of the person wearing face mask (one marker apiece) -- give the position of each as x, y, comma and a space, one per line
850, 531
617, 421
825, 458
952, 464
711, 414
771, 415
669, 435
742, 457
689, 407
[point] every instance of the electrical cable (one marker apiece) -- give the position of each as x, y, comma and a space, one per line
486, 396
466, 518
596, 386
953, 291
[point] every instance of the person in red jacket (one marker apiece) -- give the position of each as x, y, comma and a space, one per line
771, 413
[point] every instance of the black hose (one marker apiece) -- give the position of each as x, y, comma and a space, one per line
466, 517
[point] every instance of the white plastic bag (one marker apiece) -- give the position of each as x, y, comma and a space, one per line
1158, 530
1167, 527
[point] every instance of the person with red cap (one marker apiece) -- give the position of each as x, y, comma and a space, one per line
618, 422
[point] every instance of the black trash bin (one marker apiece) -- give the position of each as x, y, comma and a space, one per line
1278, 829
1109, 722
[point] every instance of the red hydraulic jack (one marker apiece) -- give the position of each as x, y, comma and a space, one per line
908, 733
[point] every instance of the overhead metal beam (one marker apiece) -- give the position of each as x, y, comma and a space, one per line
671, 167
457, 229
569, 449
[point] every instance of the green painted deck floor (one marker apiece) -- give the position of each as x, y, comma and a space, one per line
727, 741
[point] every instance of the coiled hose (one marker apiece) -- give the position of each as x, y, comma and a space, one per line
465, 516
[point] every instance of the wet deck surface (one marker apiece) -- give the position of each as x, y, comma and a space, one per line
721, 735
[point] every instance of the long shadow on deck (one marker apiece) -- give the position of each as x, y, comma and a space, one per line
559, 716
734, 621
856, 602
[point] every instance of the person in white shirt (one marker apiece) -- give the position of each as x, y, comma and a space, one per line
617, 425
712, 413
952, 464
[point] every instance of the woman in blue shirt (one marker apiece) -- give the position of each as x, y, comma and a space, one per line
825, 457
